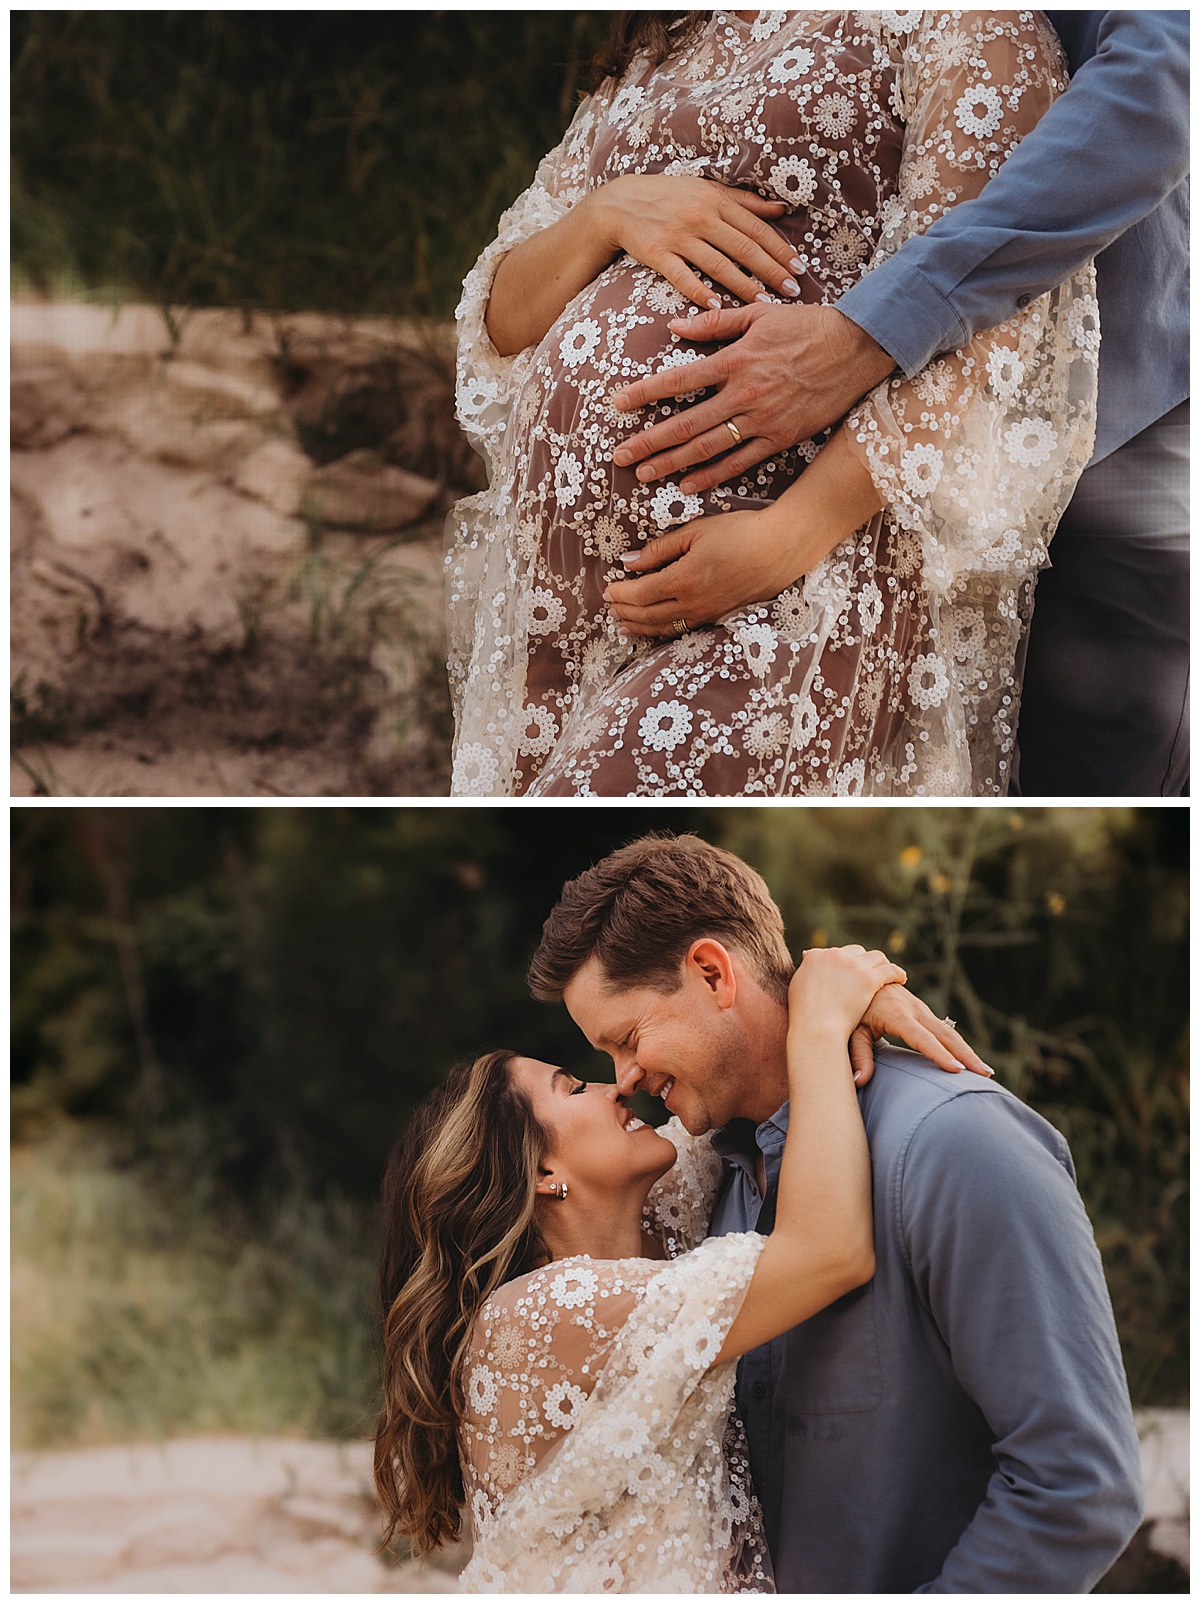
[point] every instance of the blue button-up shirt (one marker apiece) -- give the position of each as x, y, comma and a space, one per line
1104, 175
961, 1424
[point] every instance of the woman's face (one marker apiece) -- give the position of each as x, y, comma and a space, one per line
595, 1142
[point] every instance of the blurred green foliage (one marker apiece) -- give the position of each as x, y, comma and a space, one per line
239, 1006
340, 161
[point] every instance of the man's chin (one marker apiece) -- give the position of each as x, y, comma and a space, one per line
694, 1122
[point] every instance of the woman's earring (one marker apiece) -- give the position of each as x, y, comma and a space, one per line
559, 1189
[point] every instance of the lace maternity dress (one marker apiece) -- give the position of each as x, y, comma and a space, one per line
891, 669
600, 1452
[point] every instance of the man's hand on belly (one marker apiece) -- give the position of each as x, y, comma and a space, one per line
789, 373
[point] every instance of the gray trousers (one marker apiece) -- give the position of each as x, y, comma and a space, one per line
1105, 705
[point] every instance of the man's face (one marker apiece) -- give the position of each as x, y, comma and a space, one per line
684, 1046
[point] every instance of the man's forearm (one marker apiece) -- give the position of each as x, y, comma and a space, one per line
1105, 155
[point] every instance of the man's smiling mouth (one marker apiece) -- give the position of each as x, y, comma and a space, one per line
667, 1087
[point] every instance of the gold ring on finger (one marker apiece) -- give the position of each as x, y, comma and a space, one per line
680, 626
734, 431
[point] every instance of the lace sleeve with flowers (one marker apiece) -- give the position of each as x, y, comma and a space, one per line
488, 382
595, 1439
679, 1205
976, 457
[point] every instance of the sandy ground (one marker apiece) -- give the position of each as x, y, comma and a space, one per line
216, 588
205, 1515
227, 1515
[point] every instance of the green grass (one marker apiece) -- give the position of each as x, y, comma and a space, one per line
138, 1315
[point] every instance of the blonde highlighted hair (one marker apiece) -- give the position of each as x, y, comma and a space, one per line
459, 1195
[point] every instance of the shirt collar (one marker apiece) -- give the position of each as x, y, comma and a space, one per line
739, 1138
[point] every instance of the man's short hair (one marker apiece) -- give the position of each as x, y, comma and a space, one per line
640, 909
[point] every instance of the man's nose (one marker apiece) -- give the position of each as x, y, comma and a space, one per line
629, 1077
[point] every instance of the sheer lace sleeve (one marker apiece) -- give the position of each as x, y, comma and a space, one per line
595, 1434
976, 457
679, 1205
488, 382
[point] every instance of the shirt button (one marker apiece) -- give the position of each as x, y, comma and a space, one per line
1024, 300
759, 1390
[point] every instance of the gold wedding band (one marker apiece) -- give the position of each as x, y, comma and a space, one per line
734, 431
680, 626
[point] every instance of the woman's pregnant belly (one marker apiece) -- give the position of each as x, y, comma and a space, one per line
566, 427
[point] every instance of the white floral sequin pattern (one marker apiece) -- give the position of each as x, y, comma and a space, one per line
868, 124
600, 1450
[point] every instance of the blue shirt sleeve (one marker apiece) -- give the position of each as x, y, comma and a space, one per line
1004, 1258
1108, 151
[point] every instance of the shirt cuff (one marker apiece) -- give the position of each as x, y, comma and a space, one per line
905, 314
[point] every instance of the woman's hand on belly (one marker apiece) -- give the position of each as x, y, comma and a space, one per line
676, 225
681, 226
705, 569
712, 566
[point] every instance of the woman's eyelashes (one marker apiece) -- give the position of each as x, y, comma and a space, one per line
579, 1086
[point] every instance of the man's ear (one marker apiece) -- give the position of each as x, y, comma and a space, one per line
712, 966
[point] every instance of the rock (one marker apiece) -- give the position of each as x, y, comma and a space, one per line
213, 394
277, 474
361, 491
154, 428
46, 405
205, 1515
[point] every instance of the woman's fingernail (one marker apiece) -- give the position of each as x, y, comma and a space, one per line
796, 265
956, 1064
714, 305
857, 1076
629, 558
988, 1071
791, 286
763, 296
622, 457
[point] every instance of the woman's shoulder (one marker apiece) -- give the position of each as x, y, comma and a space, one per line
569, 1283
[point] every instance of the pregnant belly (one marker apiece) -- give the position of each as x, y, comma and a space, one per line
566, 427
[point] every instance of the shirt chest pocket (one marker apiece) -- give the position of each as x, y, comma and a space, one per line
831, 1363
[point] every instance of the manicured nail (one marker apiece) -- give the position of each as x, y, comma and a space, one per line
714, 305
956, 1064
623, 457
988, 1071
857, 1076
629, 558
791, 286
762, 296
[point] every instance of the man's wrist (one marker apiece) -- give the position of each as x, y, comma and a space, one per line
871, 363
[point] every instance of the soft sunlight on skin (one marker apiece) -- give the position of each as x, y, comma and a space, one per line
712, 1050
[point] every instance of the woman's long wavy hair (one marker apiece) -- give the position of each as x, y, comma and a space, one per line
459, 1195
643, 33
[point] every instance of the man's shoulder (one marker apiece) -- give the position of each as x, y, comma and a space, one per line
910, 1097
